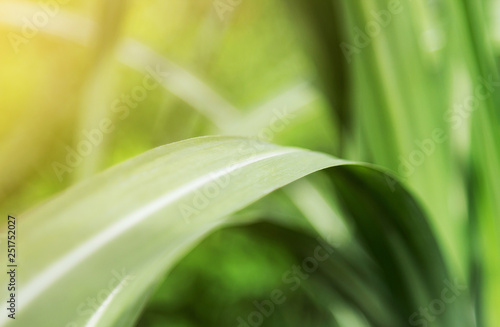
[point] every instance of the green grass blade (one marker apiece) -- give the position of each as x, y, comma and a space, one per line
139, 218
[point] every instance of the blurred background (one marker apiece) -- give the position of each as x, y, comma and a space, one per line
412, 86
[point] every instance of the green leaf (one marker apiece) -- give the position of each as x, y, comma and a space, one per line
114, 237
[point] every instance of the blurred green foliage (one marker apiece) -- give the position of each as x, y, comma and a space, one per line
414, 68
